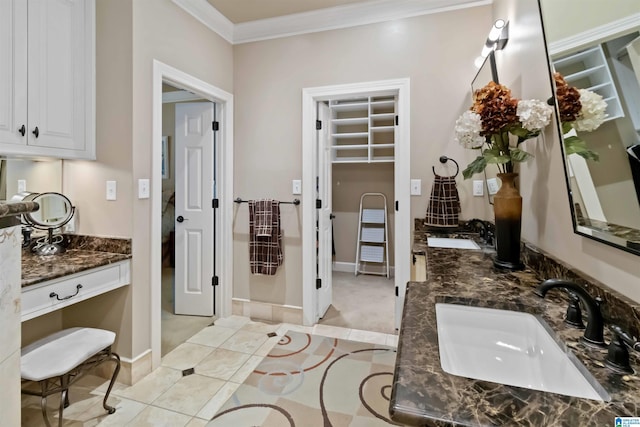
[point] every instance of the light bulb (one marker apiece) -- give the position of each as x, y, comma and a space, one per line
496, 30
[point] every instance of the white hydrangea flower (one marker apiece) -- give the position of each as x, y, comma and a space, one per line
468, 127
592, 113
534, 114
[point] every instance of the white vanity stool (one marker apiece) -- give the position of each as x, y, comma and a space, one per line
60, 359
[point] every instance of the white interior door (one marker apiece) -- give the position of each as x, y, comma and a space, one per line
324, 168
194, 242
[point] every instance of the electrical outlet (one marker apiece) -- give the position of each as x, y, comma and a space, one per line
111, 190
477, 188
296, 186
416, 187
143, 189
22, 185
492, 184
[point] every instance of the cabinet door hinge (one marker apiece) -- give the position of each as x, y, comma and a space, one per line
397, 291
215, 125
396, 120
318, 203
396, 206
318, 283
318, 124
215, 203
214, 281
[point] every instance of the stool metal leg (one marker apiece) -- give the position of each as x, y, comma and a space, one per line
114, 357
43, 405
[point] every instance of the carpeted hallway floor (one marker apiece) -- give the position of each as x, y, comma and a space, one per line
364, 302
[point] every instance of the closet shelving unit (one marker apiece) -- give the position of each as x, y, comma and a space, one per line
363, 130
589, 69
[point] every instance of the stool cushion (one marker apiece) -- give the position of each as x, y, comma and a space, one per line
59, 353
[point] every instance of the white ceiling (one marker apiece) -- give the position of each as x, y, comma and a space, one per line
244, 21
238, 11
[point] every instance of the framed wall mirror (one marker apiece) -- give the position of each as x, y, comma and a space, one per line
600, 52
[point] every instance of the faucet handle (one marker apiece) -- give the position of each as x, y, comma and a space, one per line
617, 354
574, 313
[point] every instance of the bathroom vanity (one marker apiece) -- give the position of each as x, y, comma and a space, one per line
424, 394
53, 282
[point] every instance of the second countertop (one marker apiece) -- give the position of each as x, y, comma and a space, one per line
423, 394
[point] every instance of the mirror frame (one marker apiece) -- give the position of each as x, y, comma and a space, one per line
601, 236
44, 226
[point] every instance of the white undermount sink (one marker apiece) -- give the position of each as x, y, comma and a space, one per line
447, 242
511, 348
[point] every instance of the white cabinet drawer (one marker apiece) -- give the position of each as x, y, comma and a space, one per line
55, 294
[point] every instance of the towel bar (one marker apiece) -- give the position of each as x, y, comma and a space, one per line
443, 159
295, 201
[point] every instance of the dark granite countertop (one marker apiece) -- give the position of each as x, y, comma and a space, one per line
424, 395
83, 253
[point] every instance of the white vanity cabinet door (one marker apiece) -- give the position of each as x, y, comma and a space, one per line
55, 294
57, 52
13, 74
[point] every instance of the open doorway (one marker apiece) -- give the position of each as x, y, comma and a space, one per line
319, 148
221, 195
179, 323
364, 300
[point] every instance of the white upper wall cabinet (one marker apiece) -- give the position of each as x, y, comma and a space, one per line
47, 78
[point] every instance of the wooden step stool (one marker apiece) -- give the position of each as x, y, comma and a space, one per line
60, 359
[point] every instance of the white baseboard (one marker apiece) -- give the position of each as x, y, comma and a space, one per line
266, 311
350, 267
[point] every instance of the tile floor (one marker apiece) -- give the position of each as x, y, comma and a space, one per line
222, 355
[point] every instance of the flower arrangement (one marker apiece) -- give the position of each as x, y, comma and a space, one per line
581, 110
502, 123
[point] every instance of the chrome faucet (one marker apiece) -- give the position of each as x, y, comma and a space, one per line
593, 333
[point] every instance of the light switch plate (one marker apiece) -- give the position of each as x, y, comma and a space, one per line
296, 187
477, 187
22, 185
416, 187
492, 184
111, 190
143, 189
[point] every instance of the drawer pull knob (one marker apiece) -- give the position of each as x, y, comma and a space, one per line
53, 294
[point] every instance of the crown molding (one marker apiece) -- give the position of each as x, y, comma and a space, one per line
321, 20
596, 34
209, 16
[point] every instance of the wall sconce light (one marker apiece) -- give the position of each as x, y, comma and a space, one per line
497, 40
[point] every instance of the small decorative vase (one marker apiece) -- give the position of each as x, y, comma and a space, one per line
507, 207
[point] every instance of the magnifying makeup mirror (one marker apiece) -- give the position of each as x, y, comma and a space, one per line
55, 211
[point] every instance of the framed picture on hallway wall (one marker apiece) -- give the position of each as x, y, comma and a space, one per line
165, 157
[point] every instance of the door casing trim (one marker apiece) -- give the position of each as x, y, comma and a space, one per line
402, 177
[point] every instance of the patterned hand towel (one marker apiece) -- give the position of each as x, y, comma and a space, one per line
265, 251
444, 204
263, 217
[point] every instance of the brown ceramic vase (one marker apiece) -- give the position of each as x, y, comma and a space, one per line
507, 207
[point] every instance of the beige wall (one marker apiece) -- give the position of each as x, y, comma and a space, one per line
431, 50
130, 34
565, 18
547, 219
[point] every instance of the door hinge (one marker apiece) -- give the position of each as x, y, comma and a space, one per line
318, 283
413, 259
396, 206
318, 203
215, 281
318, 124
215, 203
397, 291
396, 120
215, 125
